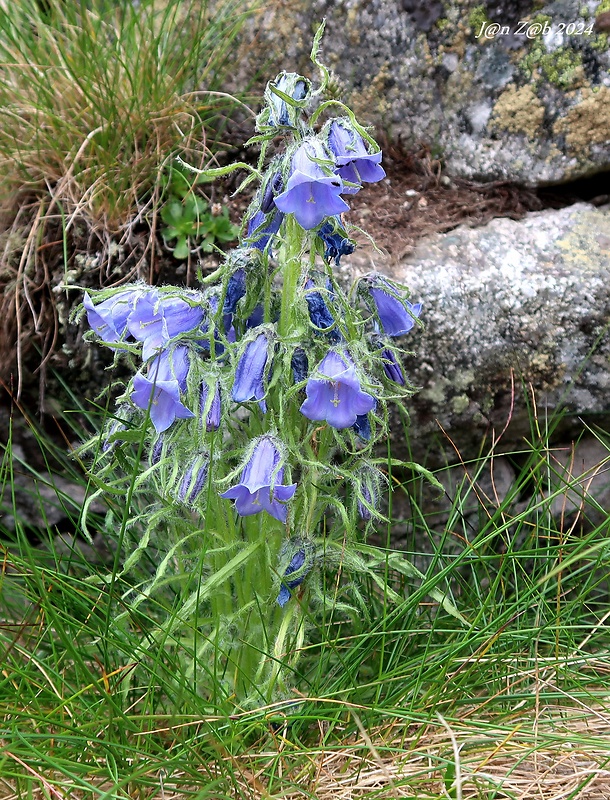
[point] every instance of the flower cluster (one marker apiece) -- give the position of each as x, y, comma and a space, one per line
311, 366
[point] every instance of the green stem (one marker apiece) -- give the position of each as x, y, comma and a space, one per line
323, 457
293, 248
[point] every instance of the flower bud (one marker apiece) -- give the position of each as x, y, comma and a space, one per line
368, 491
391, 367
156, 450
299, 555
320, 315
280, 112
300, 364
250, 374
194, 480
209, 409
335, 240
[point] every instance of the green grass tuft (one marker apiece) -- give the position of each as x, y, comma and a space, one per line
97, 97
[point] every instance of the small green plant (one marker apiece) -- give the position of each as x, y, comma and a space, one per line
192, 222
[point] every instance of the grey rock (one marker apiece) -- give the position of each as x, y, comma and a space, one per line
72, 550
505, 107
512, 310
580, 483
41, 501
471, 494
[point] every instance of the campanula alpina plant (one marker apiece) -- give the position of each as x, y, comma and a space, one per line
255, 410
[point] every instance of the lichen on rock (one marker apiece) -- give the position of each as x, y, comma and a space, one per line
518, 111
508, 308
426, 73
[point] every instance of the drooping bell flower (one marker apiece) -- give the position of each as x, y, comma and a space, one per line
355, 164
256, 317
249, 384
313, 191
209, 409
157, 318
260, 487
362, 427
159, 390
194, 480
265, 218
262, 228
109, 318
282, 112
396, 314
271, 187
335, 396
335, 240
116, 425
156, 450
236, 289
368, 491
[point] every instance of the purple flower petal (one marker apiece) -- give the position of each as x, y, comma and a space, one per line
163, 400
392, 368
159, 391
260, 487
397, 316
338, 399
212, 418
355, 163
109, 318
156, 319
311, 194
194, 480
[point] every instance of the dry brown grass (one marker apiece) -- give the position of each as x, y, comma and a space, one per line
556, 753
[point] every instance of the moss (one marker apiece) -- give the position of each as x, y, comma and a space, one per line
373, 101
563, 67
460, 403
603, 6
477, 18
442, 23
599, 42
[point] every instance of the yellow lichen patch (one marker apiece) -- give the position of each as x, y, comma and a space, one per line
518, 111
372, 101
587, 242
587, 122
351, 26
